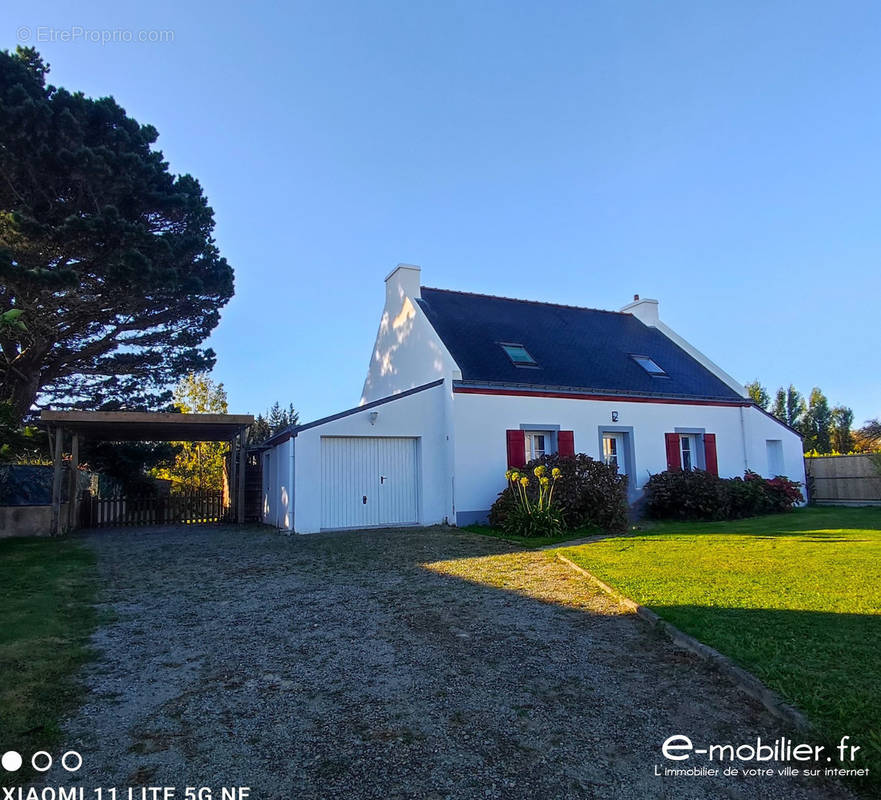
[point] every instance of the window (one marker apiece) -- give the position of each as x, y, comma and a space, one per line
538, 444
518, 354
650, 366
775, 457
688, 451
610, 450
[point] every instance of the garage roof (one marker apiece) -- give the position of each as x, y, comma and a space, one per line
148, 426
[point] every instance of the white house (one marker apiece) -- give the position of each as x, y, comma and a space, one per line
461, 386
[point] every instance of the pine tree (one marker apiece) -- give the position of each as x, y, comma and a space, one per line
275, 417
260, 430
279, 418
107, 256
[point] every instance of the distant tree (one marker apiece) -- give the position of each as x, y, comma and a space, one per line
816, 423
198, 465
789, 406
279, 418
759, 394
275, 417
841, 434
108, 257
260, 430
868, 438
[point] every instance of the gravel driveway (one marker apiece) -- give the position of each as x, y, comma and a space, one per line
388, 664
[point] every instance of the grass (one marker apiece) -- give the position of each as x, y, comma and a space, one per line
794, 598
527, 541
47, 593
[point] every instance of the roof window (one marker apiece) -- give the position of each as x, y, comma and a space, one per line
518, 354
649, 365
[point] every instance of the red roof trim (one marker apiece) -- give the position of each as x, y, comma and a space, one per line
610, 397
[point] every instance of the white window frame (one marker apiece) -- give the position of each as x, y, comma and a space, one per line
692, 440
611, 453
531, 450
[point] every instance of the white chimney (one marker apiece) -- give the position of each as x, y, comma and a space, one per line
646, 311
402, 281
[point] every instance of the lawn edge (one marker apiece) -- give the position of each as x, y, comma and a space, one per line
516, 543
745, 681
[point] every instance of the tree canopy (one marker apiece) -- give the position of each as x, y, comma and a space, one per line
197, 465
108, 257
824, 429
275, 419
759, 394
789, 406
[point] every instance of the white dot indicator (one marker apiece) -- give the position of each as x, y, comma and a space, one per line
11, 761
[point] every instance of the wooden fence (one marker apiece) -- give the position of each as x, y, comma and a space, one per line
843, 480
191, 508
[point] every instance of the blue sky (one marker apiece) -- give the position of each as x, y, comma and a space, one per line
721, 157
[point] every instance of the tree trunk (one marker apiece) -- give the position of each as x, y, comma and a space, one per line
20, 389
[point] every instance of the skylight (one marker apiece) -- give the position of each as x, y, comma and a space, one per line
518, 354
649, 365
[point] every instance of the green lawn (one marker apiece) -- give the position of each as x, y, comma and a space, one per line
537, 541
794, 598
47, 592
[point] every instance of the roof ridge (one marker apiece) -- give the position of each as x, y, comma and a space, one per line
523, 300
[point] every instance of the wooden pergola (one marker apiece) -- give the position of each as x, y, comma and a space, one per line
143, 426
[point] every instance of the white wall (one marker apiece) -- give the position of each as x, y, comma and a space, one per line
407, 352
759, 429
481, 422
278, 497
425, 415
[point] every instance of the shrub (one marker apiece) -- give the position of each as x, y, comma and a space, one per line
697, 495
784, 493
587, 494
685, 495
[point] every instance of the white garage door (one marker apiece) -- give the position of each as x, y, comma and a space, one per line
368, 481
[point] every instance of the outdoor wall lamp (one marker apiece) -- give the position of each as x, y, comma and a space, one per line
372, 417
614, 416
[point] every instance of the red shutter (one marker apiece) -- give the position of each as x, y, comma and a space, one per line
674, 460
516, 449
710, 453
566, 443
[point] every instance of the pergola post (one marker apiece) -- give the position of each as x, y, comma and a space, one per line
232, 480
73, 482
240, 502
55, 527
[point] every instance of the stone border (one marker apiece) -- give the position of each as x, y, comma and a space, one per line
746, 681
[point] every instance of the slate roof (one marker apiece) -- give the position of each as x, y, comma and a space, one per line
575, 348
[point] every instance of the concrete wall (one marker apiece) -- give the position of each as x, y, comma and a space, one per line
425, 415
407, 352
28, 520
481, 454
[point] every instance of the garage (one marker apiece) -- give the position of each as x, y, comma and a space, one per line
383, 464
369, 481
